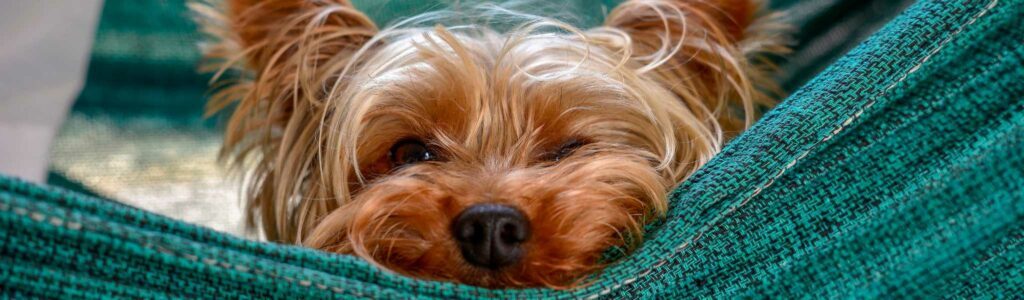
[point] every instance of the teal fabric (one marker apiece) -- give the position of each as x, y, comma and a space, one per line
143, 63
825, 29
896, 172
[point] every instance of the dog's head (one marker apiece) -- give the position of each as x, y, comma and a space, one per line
495, 158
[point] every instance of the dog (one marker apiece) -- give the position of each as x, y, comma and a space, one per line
497, 158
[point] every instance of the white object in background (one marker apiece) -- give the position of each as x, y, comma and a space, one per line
44, 51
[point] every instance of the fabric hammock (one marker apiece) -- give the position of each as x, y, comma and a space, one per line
896, 172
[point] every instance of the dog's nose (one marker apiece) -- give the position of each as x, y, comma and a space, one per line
491, 235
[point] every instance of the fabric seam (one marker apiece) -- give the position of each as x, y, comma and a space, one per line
793, 162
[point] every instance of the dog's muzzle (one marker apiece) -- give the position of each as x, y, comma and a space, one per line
491, 235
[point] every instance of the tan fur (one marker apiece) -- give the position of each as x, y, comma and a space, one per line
322, 96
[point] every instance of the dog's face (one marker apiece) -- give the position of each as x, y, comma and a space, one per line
497, 165
490, 158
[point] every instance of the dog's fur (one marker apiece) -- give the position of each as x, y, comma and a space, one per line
322, 95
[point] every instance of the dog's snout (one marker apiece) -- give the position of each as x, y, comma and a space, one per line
491, 235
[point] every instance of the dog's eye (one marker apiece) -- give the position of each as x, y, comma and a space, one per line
409, 152
567, 149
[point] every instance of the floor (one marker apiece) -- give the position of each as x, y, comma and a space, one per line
153, 166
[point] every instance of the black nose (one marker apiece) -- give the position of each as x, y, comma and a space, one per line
490, 235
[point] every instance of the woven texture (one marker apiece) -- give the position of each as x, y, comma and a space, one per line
897, 172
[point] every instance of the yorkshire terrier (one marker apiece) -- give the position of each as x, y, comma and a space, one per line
498, 158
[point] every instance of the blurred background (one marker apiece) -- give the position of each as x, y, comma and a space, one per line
103, 97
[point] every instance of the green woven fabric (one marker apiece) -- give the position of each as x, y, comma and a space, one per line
896, 172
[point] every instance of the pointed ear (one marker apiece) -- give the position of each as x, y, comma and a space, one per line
269, 31
284, 51
705, 51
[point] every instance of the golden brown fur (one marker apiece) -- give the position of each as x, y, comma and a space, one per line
323, 95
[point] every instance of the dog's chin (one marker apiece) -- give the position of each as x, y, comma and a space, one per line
404, 223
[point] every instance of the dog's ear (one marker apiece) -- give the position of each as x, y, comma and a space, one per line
288, 55
647, 19
704, 50
269, 31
